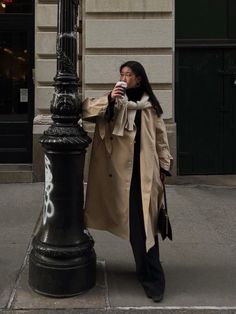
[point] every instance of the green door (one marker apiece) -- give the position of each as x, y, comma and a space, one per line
206, 110
228, 112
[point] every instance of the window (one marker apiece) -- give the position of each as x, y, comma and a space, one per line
205, 19
232, 19
16, 6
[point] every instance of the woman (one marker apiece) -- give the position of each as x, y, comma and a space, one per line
129, 160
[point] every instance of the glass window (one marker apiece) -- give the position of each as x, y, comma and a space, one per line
13, 73
201, 19
232, 19
16, 6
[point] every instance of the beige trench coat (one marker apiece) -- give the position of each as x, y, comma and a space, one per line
110, 171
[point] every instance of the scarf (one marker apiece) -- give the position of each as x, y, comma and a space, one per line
126, 113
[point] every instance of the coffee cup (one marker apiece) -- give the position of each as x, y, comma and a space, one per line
123, 85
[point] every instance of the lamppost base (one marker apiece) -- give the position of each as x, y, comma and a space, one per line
54, 278
62, 262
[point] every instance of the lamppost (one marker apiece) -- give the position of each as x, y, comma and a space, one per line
63, 261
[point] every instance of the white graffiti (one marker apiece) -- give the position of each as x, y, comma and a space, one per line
48, 210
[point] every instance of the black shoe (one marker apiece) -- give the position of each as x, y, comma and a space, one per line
155, 294
157, 298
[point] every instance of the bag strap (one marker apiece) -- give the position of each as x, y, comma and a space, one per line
164, 192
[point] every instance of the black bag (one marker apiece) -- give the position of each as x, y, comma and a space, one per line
163, 223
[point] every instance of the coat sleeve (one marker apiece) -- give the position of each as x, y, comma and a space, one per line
162, 146
94, 107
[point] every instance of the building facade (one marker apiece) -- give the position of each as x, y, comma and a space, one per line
181, 43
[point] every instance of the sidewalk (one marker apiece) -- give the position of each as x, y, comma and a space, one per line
200, 264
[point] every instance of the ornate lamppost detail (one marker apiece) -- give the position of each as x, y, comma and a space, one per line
62, 260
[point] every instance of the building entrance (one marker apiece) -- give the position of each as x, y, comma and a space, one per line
206, 111
205, 89
16, 80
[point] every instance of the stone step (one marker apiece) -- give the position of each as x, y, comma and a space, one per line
16, 173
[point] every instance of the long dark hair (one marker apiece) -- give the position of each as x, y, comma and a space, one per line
139, 70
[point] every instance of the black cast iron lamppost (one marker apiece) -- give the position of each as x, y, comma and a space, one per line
62, 261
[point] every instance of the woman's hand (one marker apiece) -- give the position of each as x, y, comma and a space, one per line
118, 91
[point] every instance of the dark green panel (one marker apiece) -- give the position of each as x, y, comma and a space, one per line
232, 19
201, 19
198, 100
228, 136
206, 111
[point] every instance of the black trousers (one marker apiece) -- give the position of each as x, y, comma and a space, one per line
148, 267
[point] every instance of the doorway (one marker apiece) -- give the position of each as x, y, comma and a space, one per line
206, 110
16, 81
